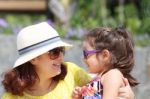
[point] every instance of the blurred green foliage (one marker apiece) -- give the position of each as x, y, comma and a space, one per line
89, 14
94, 13
12, 23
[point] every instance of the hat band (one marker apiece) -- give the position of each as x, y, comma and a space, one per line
38, 45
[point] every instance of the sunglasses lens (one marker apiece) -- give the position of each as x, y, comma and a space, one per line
55, 53
84, 54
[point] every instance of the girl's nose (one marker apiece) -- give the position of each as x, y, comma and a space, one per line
84, 60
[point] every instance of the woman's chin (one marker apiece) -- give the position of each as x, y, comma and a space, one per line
55, 73
58, 72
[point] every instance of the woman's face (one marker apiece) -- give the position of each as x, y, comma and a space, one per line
94, 60
49, 64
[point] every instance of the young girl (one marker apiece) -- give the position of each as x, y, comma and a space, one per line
110, 54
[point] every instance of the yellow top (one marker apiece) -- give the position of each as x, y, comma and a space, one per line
76, 76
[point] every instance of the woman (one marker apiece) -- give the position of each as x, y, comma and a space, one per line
40, 72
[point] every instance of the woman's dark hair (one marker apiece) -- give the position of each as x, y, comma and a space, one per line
24, 76
120, 44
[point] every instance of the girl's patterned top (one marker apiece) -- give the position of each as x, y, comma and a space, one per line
92, 90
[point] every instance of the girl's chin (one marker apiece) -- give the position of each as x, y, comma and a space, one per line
91, 72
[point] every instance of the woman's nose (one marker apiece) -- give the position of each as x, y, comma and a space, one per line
61, 56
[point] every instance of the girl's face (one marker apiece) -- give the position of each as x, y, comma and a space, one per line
95, 61
49, 64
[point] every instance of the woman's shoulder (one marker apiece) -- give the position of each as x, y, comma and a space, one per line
70, 63
8, 95
80, 76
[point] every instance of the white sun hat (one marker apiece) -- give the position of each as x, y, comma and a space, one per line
36, 40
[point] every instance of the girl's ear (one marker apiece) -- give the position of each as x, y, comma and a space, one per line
106, 54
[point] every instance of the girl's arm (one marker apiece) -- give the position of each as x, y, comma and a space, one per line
111, 82
126, 92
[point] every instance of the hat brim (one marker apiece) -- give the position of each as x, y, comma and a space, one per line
39, 51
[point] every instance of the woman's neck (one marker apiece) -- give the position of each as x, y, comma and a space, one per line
41, 87
41, 83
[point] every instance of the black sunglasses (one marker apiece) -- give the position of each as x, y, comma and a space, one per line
55, 53
86, 53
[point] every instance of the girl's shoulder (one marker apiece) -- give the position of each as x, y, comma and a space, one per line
112, 72
112, 75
